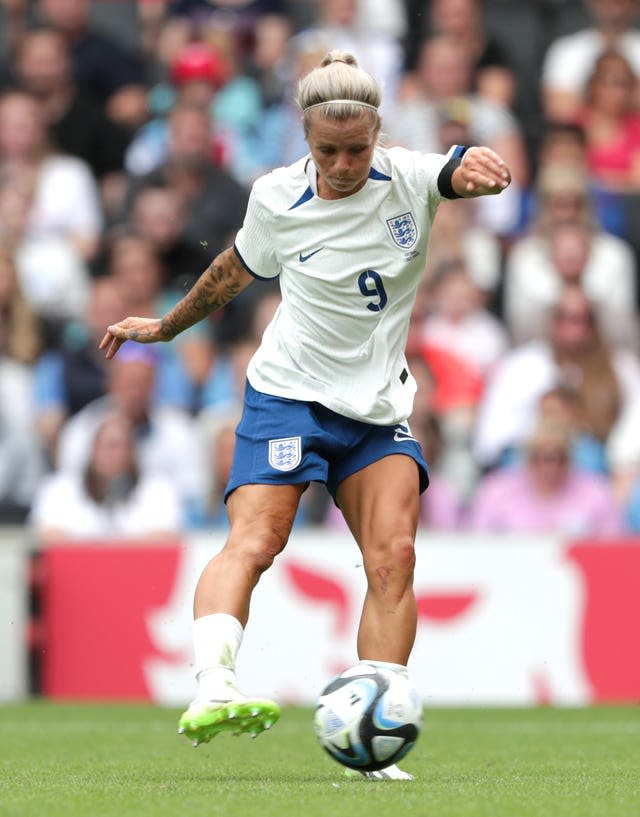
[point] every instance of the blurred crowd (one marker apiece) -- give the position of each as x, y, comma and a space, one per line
130, 135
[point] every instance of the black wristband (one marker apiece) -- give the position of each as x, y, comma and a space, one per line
445, 185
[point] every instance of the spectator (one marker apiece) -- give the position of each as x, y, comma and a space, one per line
461, 342
62, 293
611, 123
562, 405
564, 146
74, 374
102, 67
239, 15
440, 506
13, 24
196, 75
608, 274
443, 101
214, 203
224, 388
157, 215
384, 16
135, 268
210, 511
338, 26
111, 497
623, 449
458, 234
570, 257
22, 331
569, 59
423, 402
572, 352
168, 438
77, 125
21, 466
546, 494
445, 76
442, 510
493, 77
271, 37
469, 228
456, 339
279, 141
459, 323
445, 429
64, 198
202, 77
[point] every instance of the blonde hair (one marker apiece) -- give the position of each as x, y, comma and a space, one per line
590, 369
20, 325
557, 179
338, 89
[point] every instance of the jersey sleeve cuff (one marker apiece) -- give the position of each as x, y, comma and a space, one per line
248, 268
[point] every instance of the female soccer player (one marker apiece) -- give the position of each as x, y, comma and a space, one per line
328, 394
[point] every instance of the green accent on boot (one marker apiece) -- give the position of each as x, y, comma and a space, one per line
204, 720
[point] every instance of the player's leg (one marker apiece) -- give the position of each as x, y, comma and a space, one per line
261, 517
381, 506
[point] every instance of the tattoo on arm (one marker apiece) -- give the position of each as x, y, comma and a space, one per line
219, 283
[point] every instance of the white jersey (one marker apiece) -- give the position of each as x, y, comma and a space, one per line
349, 269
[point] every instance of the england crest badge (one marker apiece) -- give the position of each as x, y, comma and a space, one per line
285, 453
403, 230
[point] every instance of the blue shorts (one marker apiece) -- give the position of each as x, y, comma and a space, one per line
288, 442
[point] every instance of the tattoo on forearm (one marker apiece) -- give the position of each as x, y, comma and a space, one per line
217, 285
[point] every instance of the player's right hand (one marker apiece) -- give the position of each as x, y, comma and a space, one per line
142, 330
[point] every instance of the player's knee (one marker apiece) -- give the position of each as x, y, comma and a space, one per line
258, 548
403, 555
395, 560
265, 552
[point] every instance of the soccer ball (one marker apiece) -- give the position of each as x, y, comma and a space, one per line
368, 717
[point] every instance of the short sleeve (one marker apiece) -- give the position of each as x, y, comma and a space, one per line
254, 241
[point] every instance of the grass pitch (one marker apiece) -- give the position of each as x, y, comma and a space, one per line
121, 761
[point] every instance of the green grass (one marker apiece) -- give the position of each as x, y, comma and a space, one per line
121, 761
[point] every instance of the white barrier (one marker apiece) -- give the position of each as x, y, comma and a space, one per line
502, 620
13, 614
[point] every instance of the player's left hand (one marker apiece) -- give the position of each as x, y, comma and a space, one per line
482, 172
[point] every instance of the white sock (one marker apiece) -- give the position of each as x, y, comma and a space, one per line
400, 668
216, 641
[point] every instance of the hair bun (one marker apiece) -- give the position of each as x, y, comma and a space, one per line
339, 56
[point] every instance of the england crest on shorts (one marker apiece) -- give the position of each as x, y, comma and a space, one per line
285, 453
403, 230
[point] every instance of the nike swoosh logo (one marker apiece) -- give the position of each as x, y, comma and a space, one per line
304, 258
403, 438
403, 434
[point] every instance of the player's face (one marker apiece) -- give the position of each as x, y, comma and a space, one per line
342, 152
